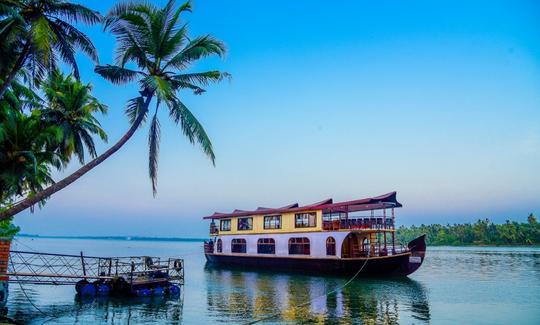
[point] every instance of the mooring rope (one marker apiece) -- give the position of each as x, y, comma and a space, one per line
311, 300
50, 316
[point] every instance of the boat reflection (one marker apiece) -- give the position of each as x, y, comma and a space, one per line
239, 297
134, 310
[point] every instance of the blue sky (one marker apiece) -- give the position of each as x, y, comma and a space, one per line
438, 100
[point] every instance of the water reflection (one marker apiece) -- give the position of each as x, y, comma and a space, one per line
237, 296
103, 310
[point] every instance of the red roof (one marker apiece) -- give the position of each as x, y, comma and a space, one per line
388, 200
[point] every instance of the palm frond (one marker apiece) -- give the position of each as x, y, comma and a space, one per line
116, 74
158, 85
196, 49
66, 51
78, 39
78, 147
153, 153
180, 84
43, 37
135, 107
75, 12
89, 143
126, 7
191, 127
202, 78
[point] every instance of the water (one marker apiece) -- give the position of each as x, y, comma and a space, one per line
460, 285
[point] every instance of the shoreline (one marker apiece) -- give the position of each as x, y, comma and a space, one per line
195, 239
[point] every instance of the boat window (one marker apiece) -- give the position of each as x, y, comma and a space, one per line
219, 246
299, 246
245, 223
225, 225
266, 246
330, 246
303, 220
238, 246
333, 216
272, 222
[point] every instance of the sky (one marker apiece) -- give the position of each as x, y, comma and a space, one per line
437, 100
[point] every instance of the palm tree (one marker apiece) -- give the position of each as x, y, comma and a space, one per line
28, 151
57, 128
42, 30
71, 107
154, 40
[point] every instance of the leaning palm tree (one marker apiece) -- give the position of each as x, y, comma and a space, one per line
42, 30
71, 107
154, 40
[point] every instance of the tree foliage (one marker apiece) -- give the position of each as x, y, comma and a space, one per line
40, 135
482, 232
43, 128
8, 229
37, 34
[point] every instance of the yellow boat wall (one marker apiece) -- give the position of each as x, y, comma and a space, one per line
287, 225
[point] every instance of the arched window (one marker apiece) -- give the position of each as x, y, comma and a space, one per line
219, 246
238, 246
299, 246
266, 246
330, 246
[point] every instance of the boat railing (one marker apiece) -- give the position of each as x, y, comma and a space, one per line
358, 223
376, 251
208, 246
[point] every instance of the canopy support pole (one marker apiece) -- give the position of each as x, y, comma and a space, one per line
393, 232
384, 225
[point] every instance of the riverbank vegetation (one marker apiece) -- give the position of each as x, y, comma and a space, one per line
482, 232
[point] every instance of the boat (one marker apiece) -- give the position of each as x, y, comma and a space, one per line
343, 238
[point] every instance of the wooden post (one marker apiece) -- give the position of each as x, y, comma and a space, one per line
132, 270
346, 217
83, 266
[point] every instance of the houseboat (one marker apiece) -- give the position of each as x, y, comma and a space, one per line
341, 238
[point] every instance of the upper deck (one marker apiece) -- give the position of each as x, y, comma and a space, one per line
370, 214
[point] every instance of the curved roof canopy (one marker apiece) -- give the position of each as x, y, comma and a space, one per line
384, 201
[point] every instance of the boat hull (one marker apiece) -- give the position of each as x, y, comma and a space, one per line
392, 265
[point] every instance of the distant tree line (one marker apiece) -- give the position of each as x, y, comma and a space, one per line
482, 232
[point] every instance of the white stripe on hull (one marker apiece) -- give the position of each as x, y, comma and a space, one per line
317, 242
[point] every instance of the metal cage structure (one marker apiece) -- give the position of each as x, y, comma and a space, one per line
65, 269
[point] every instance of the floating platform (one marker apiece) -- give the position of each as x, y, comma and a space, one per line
134, 275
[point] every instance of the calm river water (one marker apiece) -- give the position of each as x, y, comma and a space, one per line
458, 285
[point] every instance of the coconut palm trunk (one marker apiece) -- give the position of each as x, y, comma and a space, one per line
18, 65
32, 200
